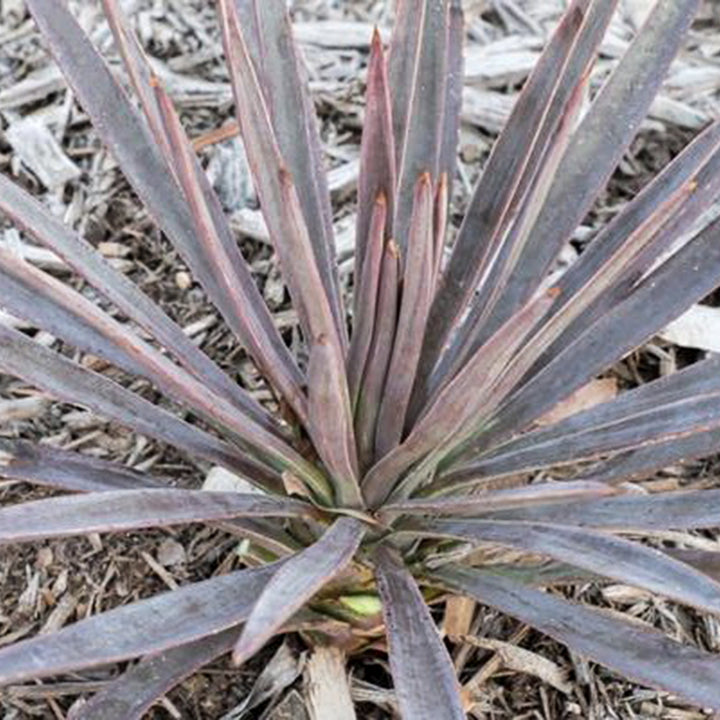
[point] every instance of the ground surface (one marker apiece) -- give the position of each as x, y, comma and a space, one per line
44, 586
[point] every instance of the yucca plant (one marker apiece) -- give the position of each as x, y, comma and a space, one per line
378, 461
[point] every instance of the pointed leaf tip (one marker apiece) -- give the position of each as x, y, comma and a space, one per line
376, 44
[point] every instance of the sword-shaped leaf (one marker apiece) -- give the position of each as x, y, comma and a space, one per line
366, 293
377, 166
415, 303
147, 169
516, 159
633, 242
21, 357
644, 655
596, 149
296, 582
131, 695
642, 462
66, 470
331, 424
423, 673
454, 82
53, 306
449, 413
121, 510
674, 407
371, 389
663, 511
35, 219
489, 501
600, 553
141, 628
420, 148
276, 188
266, 28
659, 298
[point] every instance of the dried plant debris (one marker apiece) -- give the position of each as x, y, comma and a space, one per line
515, 437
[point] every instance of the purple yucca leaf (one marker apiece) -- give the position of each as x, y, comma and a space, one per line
452, 103
65, 470
87, 262
420, 147
296, 582
645, 655
373, 379
643, 462
65, 380
482, 503
284, 216
663, 511
424, 677
670, 207
366, 295
450, 412
405, 49
474, 331
266, 27
119, 510
417, 272
660, 297
189, 173
276, 187
440, 225
131, 695
601, 553
84, 324
186, 614
674, 406
598, 145
143, 163
53, 306
377, 165
538, 110
330, 422
69, 470
249, 319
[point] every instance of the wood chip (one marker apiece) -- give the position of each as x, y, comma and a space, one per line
37, 147
698, 328
219, 479
459, 613
521, 660
326, 686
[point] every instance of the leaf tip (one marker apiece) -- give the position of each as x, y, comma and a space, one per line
376, 43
